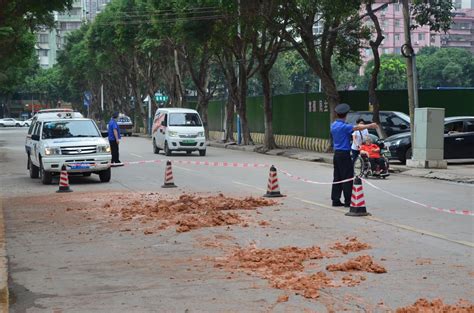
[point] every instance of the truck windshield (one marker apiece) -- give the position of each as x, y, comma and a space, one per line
184, 119
69, 129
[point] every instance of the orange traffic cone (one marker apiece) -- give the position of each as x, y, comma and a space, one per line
64, 180
168, 176
273, 189
357, 200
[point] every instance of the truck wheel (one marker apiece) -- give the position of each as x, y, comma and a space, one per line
202, 152
17, 125
105, 175
34, 170
156, 150
167, 149
46, 177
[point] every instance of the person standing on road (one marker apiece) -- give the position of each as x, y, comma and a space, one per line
114, 139
341, 134
358, 137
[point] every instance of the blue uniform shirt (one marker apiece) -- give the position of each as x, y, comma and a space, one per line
113, 125
341, 135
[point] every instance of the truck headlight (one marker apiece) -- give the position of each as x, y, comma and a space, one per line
103, 149
52, 151
172, 134
200, 134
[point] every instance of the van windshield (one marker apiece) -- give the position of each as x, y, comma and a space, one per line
69, 129
184, 119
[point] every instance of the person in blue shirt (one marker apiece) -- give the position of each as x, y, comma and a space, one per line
341, 133
114, 139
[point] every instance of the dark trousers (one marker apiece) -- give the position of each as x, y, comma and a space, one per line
114, 147
377, 162
354, 155
343, 169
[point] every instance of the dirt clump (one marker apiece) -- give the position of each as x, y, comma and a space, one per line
437, 305
189, 212
270, 262
306, 285
282, 267
361, 263
353, 245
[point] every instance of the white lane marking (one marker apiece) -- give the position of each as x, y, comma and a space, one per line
138, 156
247, 185
185, 169
375, 219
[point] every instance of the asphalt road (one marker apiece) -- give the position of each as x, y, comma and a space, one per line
52, 271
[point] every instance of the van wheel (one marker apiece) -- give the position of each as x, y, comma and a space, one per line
202, 152
167, 149
34, 170
46, 177
156, 150
105, 175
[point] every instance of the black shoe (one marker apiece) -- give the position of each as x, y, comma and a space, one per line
347, 205
337, 203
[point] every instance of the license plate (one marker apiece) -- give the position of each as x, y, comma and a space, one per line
189, 141
79, 166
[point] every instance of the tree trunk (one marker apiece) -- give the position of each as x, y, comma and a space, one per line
178, 83
242, 106
330, 90
229, 126
269, 140
203, 104
374, 45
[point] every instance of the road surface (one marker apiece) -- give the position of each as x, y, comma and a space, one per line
61, 260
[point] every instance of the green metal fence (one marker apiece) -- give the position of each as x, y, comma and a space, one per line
289, 110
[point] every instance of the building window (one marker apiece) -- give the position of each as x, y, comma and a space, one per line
397, 23
421, 36
398, 51
385, 51
70, 25
43, 53
396, 37
396, 6
368, 52
43, 38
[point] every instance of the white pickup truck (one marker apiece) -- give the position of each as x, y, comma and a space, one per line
66, 138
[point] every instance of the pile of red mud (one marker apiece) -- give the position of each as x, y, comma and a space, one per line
190, 212
437, 305
353, 245
284, 268
361, 263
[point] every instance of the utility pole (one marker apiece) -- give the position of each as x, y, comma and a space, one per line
409, 53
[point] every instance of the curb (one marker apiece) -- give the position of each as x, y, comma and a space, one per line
4, 300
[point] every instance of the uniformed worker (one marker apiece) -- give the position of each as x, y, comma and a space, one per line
343, 169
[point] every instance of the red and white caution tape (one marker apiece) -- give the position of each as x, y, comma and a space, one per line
451, 211
315, 182
204, 163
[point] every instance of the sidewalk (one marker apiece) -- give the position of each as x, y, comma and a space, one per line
456, 171
3, 265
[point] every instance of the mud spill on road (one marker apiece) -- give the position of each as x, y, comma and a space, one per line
285, 268
437, 305
186, 212
353, 245
361, 263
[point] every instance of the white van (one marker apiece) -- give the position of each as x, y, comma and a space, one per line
176, 129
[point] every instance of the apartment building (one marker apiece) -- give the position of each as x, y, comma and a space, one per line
391, 21
51, 41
